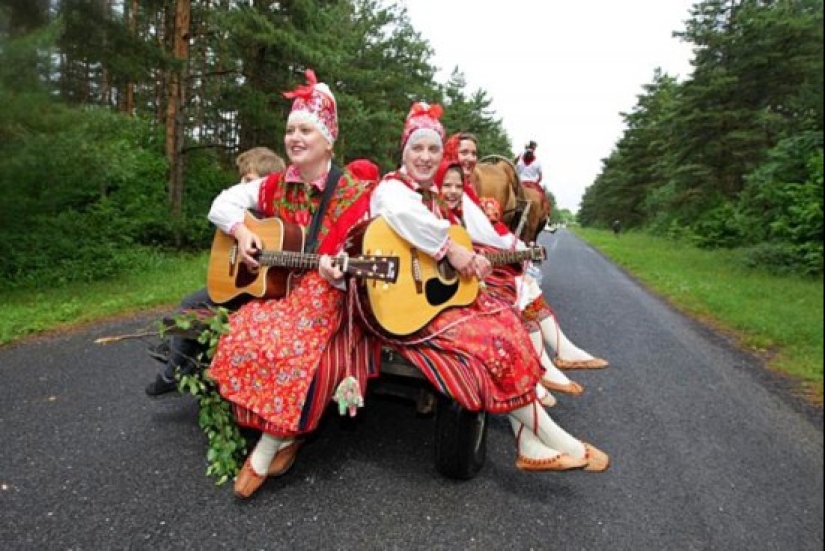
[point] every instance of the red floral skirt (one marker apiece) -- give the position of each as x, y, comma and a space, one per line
283, 358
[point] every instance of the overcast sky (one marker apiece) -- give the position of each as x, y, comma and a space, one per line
558, 72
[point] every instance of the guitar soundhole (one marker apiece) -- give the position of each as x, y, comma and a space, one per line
439, 293
245, 276
446, 271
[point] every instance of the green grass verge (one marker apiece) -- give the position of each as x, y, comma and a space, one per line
161, 280
781, 317
778, 316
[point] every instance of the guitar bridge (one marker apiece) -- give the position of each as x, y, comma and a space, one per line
233, 259
416, 271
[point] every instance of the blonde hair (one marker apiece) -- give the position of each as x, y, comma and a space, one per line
260, 160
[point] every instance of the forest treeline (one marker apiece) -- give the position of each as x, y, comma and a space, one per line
120, 119
732, 156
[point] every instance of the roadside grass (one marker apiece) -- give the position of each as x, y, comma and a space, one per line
778, 317
162, 280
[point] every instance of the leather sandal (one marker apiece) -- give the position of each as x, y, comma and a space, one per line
595, 363
572, 388
248, 481
284, 459
561, 462
597, 460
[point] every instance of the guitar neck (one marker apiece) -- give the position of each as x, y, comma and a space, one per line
364, 267
287, 259
510, 257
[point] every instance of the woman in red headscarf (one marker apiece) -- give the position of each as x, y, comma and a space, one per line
478, 354
462, 148
365, 171
283, 359
450, 180
505, 282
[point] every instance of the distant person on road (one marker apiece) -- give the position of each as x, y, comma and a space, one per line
180, 355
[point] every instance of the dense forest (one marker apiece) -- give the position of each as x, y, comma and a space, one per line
120, 119
731, 157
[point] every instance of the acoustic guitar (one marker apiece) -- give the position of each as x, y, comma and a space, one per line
424, 287
281, 259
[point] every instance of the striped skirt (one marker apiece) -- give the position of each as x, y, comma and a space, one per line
479, 355
283, 359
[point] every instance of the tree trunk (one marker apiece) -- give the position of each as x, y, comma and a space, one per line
128, 105
174, 107
105, 98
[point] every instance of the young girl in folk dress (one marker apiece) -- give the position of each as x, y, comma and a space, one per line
504, 280
283, 359
479, 354
462, 148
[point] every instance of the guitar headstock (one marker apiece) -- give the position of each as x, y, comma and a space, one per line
537, 253
381, 268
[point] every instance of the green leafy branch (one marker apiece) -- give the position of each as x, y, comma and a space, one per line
227, 446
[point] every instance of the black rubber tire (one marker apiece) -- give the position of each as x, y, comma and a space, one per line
460, 440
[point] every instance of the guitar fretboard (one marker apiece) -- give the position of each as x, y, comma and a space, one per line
287, 259
513, 257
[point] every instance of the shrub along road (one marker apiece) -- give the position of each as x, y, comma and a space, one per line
708, 451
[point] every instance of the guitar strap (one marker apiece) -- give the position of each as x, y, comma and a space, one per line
333, 178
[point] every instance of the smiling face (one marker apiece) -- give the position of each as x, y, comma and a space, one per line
421, 159
468, 155
305, 145
452, 188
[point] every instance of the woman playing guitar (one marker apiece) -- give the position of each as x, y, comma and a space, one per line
506, 282
478, 354
284, 358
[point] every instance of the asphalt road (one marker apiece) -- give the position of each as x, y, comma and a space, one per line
709, 451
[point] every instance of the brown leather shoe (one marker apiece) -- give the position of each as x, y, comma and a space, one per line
572, 388
595, 363
597, 460
284, 459
248, 481
561, 462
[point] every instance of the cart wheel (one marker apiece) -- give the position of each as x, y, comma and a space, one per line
460, 439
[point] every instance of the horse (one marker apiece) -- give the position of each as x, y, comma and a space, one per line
540, 209
495, 176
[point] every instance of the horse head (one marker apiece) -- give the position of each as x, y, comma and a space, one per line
496, 177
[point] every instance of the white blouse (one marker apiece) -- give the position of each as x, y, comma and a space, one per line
229, 206
405, 213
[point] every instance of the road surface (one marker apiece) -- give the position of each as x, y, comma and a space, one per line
708, 451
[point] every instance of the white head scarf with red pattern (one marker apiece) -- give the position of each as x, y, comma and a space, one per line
422, 120
315, 104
